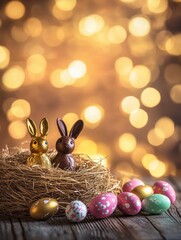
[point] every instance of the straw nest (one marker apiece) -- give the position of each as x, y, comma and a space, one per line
21, 185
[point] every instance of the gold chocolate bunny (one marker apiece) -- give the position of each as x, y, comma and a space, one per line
38, 144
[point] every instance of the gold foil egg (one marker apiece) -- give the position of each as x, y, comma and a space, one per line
142, 191
44, 208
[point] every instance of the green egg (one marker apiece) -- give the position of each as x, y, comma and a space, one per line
156, 204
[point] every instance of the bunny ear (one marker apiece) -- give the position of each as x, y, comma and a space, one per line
61, 127
76, 129
44, 127
31, 127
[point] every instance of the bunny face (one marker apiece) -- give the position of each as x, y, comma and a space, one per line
39, 145
65, 145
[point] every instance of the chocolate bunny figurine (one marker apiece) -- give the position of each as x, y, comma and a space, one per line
39, 144
66, 144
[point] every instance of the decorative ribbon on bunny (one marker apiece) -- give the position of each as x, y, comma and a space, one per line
66, 144
38, 144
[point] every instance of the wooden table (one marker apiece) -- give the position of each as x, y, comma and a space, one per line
116, 227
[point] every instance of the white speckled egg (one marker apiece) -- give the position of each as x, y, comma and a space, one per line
76, 211
165, 189
129, 203
44, 208
130, 185
103, 205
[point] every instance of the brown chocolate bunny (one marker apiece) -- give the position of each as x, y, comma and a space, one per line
66, 144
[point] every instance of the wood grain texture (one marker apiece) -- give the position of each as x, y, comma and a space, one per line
143, 226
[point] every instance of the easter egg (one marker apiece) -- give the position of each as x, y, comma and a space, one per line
143, 191
44, 208
165, 189
76, 211
156, 204
129, 203
103, 205
130, 185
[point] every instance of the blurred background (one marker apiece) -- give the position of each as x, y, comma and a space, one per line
115, 64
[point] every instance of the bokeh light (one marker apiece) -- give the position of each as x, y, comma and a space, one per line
156, 6
130, 104
127, 142
4, 57
13, 78
36, 64
87, 146
20, 109
140, 76
138, 118
117, 34
91, 25
173, 46
77, 69
157, 168
93, 115
166, 125
22, 130
156, 137
139, 26
65, 5
55, 78
175, 93
60, 14
150, 97
123, 66
115, 65
15, 9
66, 78
147, 159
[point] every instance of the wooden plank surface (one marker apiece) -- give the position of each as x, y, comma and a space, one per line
117, 227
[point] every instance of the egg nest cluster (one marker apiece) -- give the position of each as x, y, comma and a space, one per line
21, 185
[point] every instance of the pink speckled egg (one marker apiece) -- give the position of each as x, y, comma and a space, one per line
165, 189
130, 185
76, 211
129, 203
103, 205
